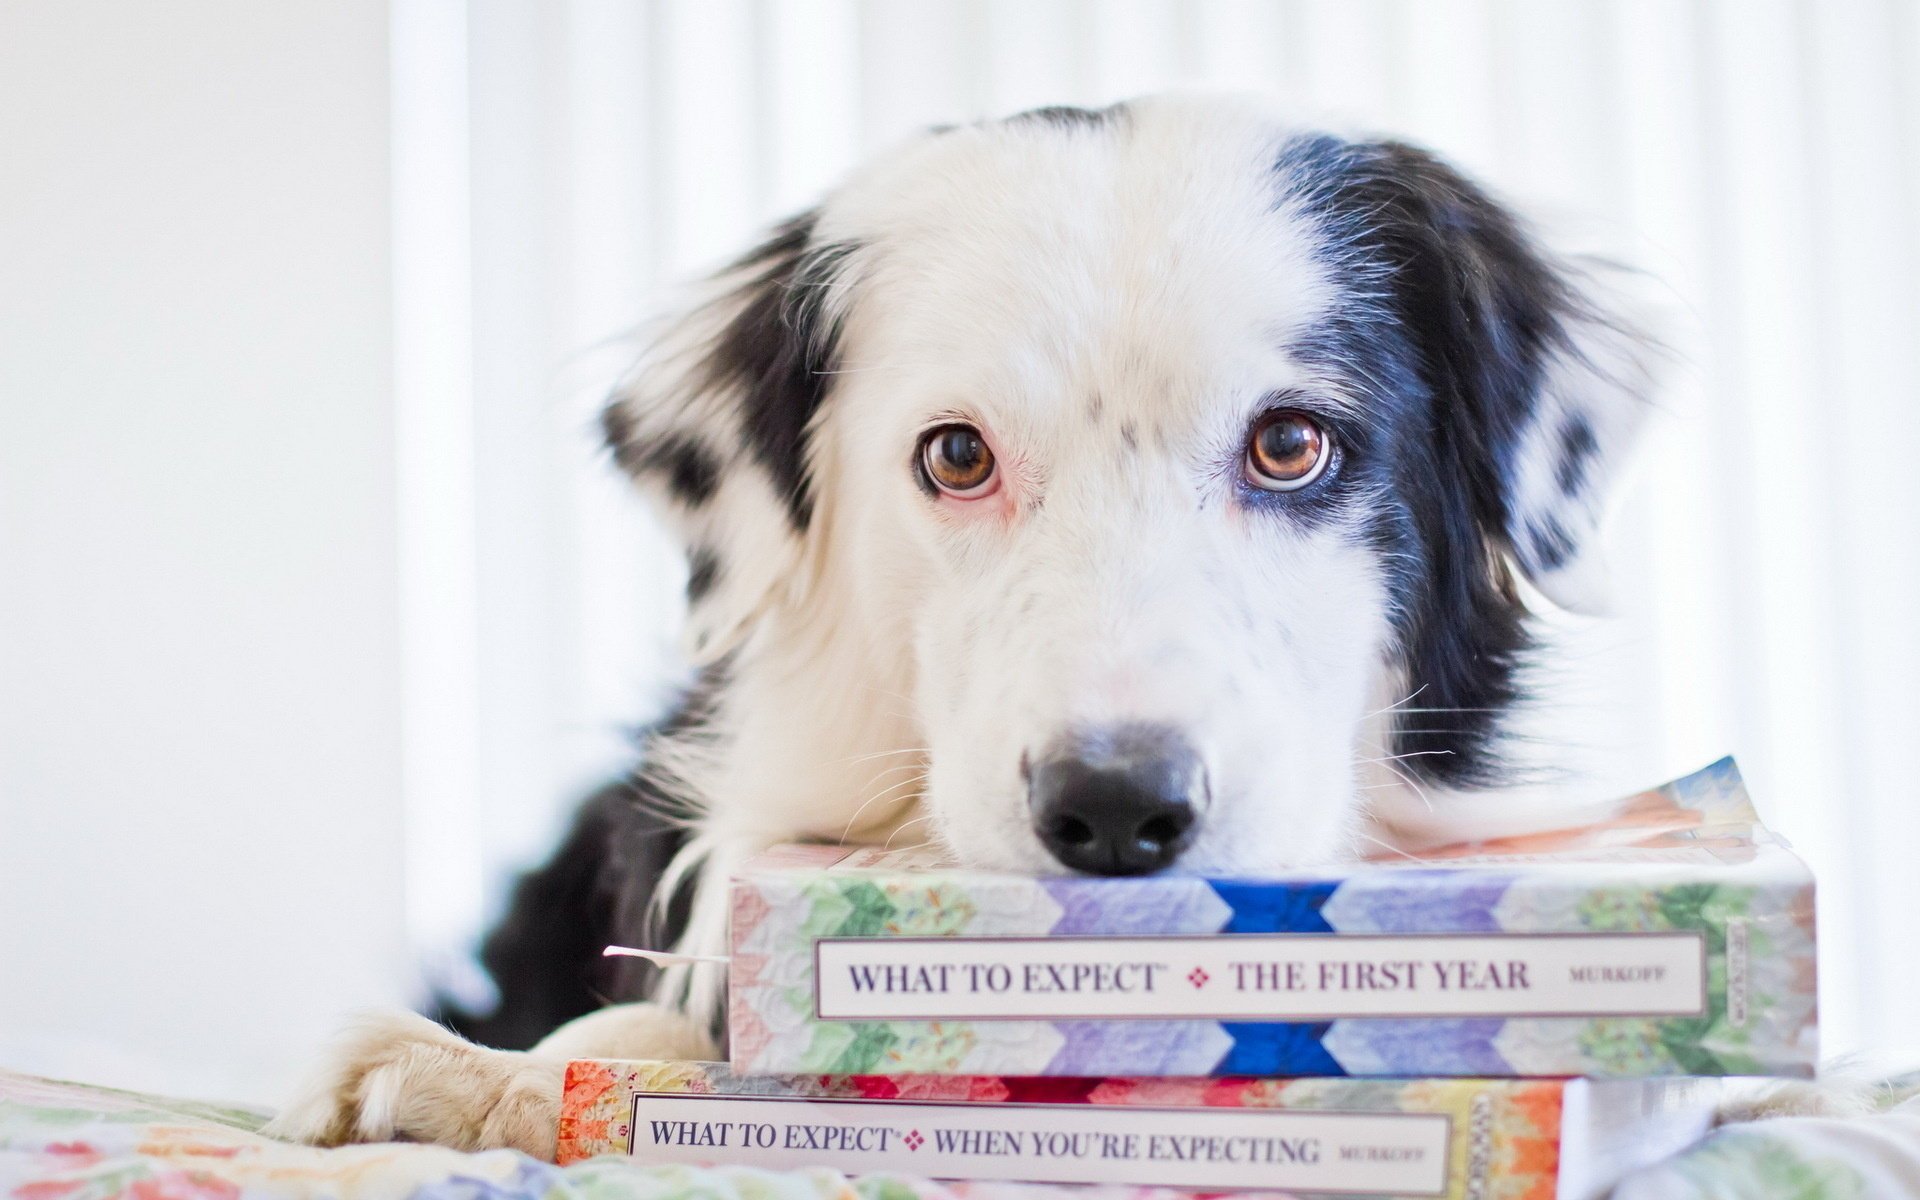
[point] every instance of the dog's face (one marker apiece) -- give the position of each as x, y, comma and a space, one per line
1176, 466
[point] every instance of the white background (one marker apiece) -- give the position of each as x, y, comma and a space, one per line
199, 749
317, 604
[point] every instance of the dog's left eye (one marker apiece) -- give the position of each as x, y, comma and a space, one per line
1288, 451
958, 462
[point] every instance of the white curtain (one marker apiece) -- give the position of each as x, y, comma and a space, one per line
557, 163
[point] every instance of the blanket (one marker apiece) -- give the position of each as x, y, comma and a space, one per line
66, 1141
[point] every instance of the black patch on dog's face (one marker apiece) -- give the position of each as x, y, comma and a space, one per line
1448, 332
780, 352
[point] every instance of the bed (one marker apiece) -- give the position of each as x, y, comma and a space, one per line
70, 1141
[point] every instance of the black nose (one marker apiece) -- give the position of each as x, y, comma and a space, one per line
1121, 801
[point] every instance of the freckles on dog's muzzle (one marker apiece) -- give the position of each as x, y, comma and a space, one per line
1124, 800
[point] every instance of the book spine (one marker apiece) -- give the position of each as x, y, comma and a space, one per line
1412, 1138
1387, 974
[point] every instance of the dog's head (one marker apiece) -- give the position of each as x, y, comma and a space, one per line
1174, 469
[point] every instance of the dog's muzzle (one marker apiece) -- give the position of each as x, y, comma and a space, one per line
1118, 801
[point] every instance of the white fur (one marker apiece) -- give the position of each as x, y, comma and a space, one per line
1112, 312
1148, 277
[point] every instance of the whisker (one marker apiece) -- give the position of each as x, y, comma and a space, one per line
1390, 846
918, 765
895, 770
1408, 754
1397, 703
874, 687
870, 801
895, 786
877, 776
869, 368
860, 758
1409, 781
903, 825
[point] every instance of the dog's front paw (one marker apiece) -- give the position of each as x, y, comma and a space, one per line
1835, 1094
400, 1077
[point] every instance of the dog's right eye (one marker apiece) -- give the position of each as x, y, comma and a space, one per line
958, 462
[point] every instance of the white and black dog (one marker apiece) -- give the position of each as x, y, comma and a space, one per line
1107, 491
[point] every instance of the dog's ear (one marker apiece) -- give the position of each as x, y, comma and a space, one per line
1524, 395
1538, 388
715, 424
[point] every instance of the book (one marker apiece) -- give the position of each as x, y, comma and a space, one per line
1673, 937
1498, 1139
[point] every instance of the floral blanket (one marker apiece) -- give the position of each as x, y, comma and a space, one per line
65, 1141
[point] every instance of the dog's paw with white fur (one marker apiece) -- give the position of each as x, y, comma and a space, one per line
1833, 1095
400, 1077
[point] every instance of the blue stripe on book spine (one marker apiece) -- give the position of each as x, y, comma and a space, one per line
1276, 908
1278, 1049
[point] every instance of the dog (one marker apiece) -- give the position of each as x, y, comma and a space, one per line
1156, 487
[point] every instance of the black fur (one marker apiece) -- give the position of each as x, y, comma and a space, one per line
691, 470
1552, 544
1067, 116
1577, 448
780, 352
595, 891
703, 569
776, 356
1454, 318
692, 473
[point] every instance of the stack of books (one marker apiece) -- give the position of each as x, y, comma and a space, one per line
1529, 1017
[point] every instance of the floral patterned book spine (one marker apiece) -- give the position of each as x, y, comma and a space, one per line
1497, 1139
1673, 938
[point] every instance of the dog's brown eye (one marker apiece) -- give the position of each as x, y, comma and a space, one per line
1288, 450
957, 460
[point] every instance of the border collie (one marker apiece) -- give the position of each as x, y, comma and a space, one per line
1103, 491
